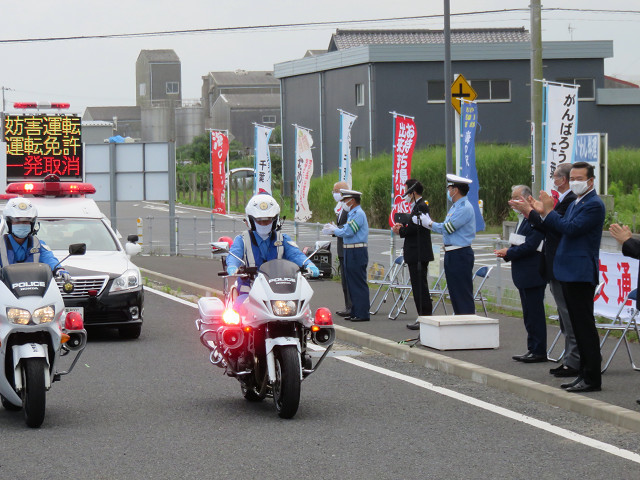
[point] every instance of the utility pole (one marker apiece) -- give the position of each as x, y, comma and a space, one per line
448, 117
536, 94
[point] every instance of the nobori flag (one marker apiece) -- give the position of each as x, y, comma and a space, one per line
346, 122
467, 142
262, 161
304, 170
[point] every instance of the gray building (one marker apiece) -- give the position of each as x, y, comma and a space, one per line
158, 78
126, 120
233, 101
372, 72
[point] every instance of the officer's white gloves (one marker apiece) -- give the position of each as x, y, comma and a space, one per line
64, 275
329, 228
231, 270
424, 220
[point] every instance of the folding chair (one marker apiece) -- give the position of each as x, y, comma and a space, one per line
483, 273
390, 278
438, 292
401, 290
621, 325
559, 334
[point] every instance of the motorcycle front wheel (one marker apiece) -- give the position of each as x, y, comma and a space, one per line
286, 388
33, 391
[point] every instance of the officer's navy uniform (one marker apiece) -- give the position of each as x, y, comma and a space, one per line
355, 234
458, 231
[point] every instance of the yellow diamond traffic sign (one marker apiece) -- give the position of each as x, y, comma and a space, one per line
460, 89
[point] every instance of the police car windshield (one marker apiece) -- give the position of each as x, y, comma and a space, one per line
58, 234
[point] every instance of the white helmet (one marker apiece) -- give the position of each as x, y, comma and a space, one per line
262, 206
20, 209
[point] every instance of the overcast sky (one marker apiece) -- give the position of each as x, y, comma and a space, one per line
96, 72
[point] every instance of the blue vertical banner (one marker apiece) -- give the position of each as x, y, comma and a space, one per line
468, 123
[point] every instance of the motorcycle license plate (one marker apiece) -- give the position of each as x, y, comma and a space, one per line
79, 310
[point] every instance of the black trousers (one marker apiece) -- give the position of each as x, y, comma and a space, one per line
345, 288
579, 297
535, 321
420, 288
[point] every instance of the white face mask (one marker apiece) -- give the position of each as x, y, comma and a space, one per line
337, 196
579, 187
263, 231
346, 207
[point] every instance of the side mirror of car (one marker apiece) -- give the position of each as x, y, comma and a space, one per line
133, 238
77, 249
132, 249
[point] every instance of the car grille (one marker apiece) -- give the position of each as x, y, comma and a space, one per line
82, 285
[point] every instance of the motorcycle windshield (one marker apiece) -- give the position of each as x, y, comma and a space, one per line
281, 275
25, 279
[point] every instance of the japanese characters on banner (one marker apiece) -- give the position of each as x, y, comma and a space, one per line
39, 145
404, 142
219, 152
468, 124
262, 162
619, 274
346, 122
560, 113
304, 170
588, 150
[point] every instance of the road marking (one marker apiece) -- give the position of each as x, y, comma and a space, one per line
518, 417
568, 434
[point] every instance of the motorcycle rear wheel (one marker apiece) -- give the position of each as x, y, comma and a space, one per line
33, 391
286, 388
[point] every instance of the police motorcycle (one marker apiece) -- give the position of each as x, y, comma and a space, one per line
34, 334
261, 338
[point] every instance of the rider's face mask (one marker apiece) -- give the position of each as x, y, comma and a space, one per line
21, 230
264, 230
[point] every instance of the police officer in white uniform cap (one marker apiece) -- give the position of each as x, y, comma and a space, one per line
458, 231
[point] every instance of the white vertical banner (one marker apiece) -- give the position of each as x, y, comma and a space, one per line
262, 160
304, 170
560, 105
346, 122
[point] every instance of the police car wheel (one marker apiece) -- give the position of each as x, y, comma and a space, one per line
130, 332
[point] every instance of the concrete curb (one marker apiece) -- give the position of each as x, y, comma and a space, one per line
529, 389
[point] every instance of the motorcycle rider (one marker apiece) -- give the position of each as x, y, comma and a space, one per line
21, 244
264, 237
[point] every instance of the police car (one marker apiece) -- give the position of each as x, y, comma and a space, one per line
108, 288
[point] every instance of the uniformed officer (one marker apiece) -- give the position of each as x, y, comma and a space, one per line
355, 234
341, 219
458, 231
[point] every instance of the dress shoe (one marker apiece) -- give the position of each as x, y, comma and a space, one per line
583, 386
413, 326
563, 371
520, 357
343, 313
358, 319
576, 381
533, 358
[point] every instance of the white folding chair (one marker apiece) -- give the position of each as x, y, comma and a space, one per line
439, 291
391, 277
401, 289
624, 326
482, 273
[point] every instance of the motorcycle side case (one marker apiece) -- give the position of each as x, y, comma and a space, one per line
211, 310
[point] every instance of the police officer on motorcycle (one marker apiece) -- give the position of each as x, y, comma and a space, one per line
264, 241
21, 244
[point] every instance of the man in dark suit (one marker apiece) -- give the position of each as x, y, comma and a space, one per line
630, 248
525, 255
341, 219
417, 250
576, 267
571, 358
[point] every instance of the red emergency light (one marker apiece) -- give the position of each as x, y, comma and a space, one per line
41, 105
51, 188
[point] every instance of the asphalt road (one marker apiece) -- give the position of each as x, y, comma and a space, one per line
155, 408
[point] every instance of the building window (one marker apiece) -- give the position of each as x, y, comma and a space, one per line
359, 94
142, 89
435, 91
492, 90
173, 88
268, 119
359, 153
587, 90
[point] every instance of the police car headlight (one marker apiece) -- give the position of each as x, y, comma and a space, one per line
127, 281
284, 308
19, 316
44, 315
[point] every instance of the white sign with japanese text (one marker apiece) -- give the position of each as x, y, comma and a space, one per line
262, 160
304, 170
619, 274
346, 122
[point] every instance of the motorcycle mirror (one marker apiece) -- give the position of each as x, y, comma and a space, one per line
77, 249
219, 247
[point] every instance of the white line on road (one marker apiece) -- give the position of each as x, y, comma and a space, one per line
518, 417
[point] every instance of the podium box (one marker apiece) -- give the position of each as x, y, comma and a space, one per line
459, 332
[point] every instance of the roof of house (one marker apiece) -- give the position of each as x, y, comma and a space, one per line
107, 113
313, 53
244, 77
343, 39
251, 100
167, 55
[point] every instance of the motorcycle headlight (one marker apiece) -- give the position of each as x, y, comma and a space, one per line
44, 315
284, 308
19, 316
127, 281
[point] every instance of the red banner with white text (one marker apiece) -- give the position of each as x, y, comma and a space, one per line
219, 151
404, 142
